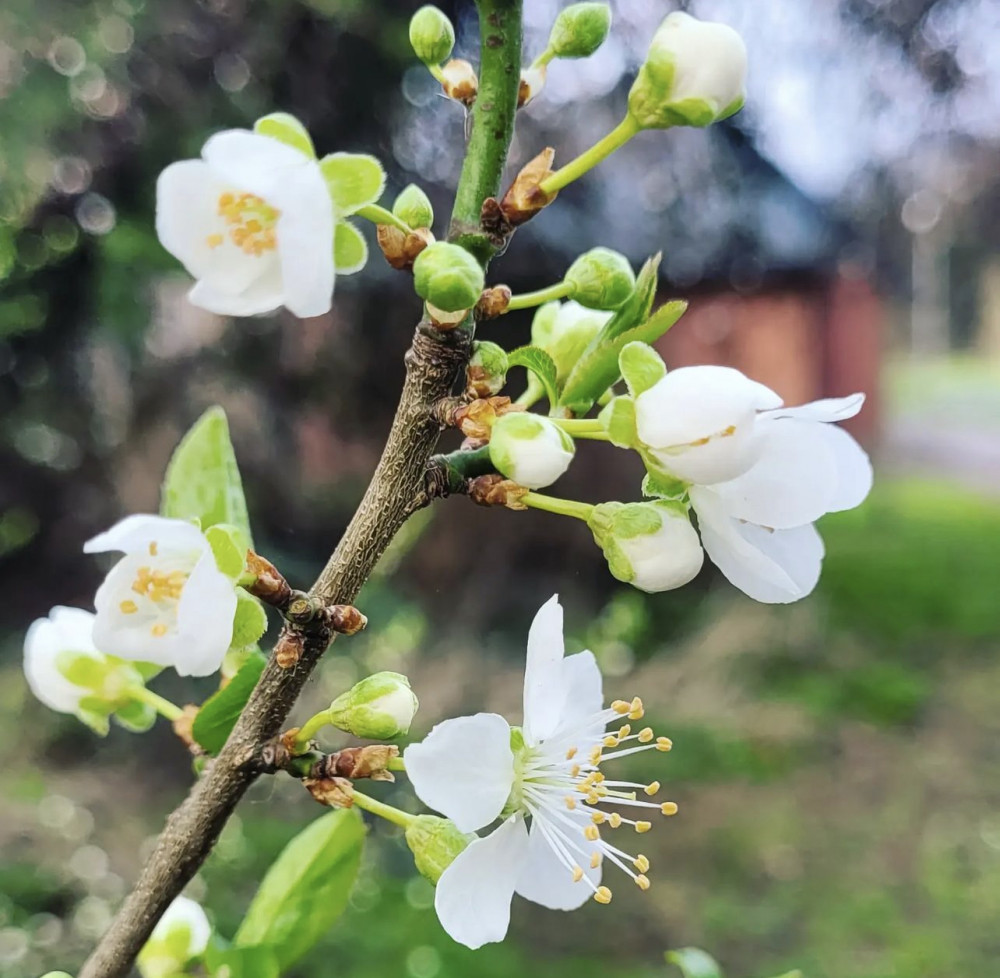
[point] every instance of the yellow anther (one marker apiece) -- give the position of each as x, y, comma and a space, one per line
635, 710
611, 741
214, 240
577, 874
595, 756
645, 735
574, 771
652, 787
598, 818
595, 860
593, 798
588, 779
664, 743
669, 808
571, 753
614, 820
623, 731
620, 706
591, 833
153, 548
226, 201
641, 827
128, 607
159, 630
642, 881
251, 222
602, 895
598, 777
570, 802
641, 863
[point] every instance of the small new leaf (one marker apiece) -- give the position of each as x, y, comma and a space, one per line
353, 180
694, 963
229, 547
641, 367
203, 481
249, 622
350, 250
306, 888
541, 365
287, 129
240, 962
218, 715
618, 418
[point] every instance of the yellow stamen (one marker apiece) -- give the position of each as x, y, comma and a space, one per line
159, 631
664, 743
669, 808
620, 706
595, 860
614, 820
251, 222
128, 607
598, 777
577, 874
591, 833
158, 586
642, 882
598, 818
593, 798
645, 735
570, 802
611, 741
595, 756
641, 827
641, 863
153, 549
571, 753
214, 240
652, 787
636, 712
603, 895
574, 771
624, 731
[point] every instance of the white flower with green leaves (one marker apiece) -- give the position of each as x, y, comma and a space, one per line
258, 221
166, 601
530, 449
478, 770
181, 934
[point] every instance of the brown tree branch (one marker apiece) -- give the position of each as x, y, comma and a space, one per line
433, 363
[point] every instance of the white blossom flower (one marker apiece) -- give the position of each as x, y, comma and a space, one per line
165, 601
530, 449
253, 222
182, 933
477, 769
67, 632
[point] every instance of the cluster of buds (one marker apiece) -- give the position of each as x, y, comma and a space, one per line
412, 209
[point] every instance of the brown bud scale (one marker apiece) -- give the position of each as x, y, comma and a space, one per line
270, 584
333, 792
288, 649
525, 198
493, 302
495, 490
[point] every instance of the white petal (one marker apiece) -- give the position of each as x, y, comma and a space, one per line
464, 769
793, 481
546, 880
581, 678
544, 692
474, 893
66, 629
185, 912
136, 533
265, 294
854, 469
828, 409
253, 163
772, 566
666, 559
204, 621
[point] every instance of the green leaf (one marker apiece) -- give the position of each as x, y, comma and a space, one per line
350, 250
540, 364
286, 129
618, 418
694, 963
241, 962
219, 713
353, 180
136, 717
599, 369
249, 622
641, 366
203, 481
657, 485
306, 888
229, 547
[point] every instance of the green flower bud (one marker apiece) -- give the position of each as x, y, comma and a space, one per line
487, 370
573, 328
182, 933
694, 74
434, 842
601, 279
413, 207
432, 37
377, 708
579, 30
530, 449
448, 277
543, 324
651, 546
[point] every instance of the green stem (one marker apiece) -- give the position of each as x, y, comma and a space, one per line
532, 395
615, 139
310, 728
396, 764
436, 71
166, 709
379, 215
578, 427
492, 122
528, 300
383, 810
563, 507
543, 59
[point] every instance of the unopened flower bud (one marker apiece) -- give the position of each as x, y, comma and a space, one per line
601, 279
459, 81
448, 277
432, 37
572, 329
530, 449
434, 842
413, 207
486, 373
694, 74
377, 708
579, 30
182, 933
651, 546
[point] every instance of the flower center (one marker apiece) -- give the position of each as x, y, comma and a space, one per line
159, 587
561, 785
250, 223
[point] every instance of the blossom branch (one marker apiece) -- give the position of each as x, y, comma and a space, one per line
432, 366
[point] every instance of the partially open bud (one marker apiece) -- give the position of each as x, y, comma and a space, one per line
530, 449
377, 708
448, 277
694, 75
413, 207
432, 37
434, 842
525, 198
182, 933
651, 546
401, 249
601, 279
459, 81
572, 329
579, 30
486, 373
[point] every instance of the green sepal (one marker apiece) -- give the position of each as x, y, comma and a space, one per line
229, 545
353, 179
691, 112
618, 563
306, 888
729, 110
641, 367
541, 366
135, 716
694, 963
219, 713
249, 622
146, 670
413, 207
288, 130
203, 480
350, 250
618, 419
82, 670
94, 712
659, 485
